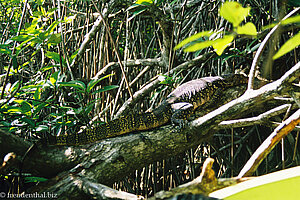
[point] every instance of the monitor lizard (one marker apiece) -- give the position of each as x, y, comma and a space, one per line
177, 107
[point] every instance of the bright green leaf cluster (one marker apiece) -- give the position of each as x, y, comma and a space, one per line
232, 12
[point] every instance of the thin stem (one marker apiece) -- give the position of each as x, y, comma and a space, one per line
262, 47
116, 50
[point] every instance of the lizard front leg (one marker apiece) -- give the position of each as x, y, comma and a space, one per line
181, 112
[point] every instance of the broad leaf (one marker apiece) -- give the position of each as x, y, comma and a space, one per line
199, 46
291, 44
193, 37
247, 29
53, 55
26, 107
54, 39
234, 12
290, 20
28, 121
39, 107
221, 44
144, 2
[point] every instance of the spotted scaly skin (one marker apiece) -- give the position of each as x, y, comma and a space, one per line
120, 126
178, 106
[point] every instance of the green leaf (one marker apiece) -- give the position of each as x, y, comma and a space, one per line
51, 11
21, 38
28, 121
5, 51
15, 86
45, 68
138, 9
106, 88
75, 84
34, 179
14, 110
89, 108
52, 27
290, 20
194, 37
32, 28
31, 87
54, 39
221, 44
144, 2
74, 55
92, 84
14, 62
19, 101
26, 108
234, 12
37, 14
291, 44
104, 77
53, 55
199, 46
37, 95
247, 29
24, 45
133, 7
268, 26
53, 77
39, 107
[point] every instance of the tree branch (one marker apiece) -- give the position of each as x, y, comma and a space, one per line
254, 120
265, 148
